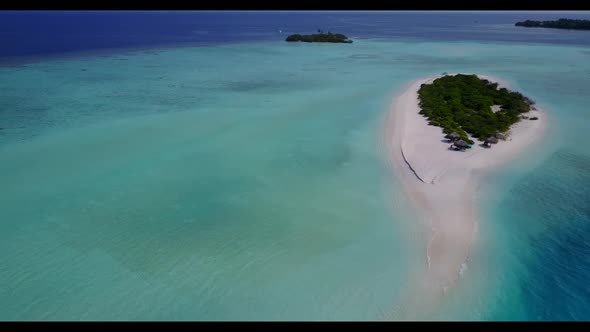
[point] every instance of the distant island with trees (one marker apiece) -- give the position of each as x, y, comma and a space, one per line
465, 104
320, 37
562, 23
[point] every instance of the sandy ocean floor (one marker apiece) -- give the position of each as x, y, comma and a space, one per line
250, 181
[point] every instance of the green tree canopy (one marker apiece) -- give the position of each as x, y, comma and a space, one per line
562, 23
463, 104
320, 38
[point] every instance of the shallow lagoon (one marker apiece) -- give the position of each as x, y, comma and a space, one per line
247, 181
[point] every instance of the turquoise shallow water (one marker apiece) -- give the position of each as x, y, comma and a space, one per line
248, 181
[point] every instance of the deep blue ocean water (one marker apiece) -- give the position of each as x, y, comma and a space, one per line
43, 33
192, 225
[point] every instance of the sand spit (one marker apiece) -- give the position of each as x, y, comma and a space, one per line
442, 184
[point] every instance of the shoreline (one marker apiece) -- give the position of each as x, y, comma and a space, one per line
442, 186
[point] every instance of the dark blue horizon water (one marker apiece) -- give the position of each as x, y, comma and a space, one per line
27, 35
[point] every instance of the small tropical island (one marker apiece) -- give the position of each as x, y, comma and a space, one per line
320, 37
562, 23
466, 105
443, 185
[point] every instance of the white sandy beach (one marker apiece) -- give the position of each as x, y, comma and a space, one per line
442, 184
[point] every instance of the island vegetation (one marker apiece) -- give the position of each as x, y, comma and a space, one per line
462, 105
562, 23
320, 37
